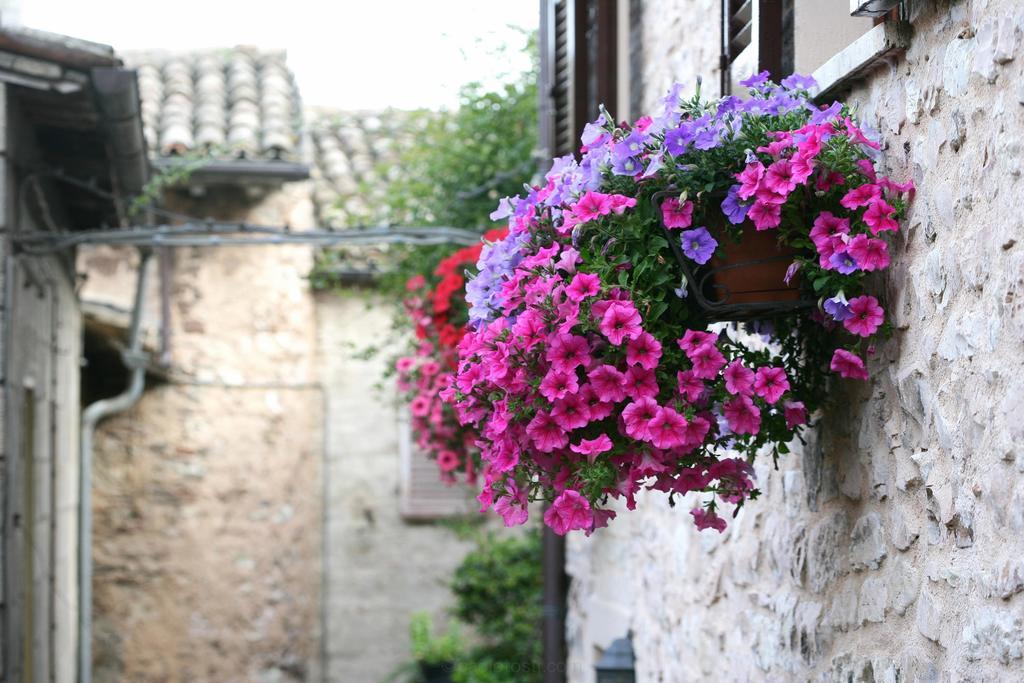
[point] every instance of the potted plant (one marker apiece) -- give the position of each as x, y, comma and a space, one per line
435, 655
590, 370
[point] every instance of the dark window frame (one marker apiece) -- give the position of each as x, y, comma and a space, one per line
579, 69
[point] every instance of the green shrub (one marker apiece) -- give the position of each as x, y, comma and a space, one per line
497, 590
431, 649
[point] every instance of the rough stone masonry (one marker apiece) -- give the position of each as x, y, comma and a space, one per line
891, 547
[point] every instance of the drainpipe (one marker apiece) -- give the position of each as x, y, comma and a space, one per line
135, 361
554, 606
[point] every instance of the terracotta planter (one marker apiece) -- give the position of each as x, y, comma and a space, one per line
752, 271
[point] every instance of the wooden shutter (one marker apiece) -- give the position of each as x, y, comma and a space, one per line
765, 24
422, 494
579, 64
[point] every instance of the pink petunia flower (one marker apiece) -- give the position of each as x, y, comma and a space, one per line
690, 386
739, 379
770, 383
707, 519
801, 168
765, 215
447, 460
848, 365
695, 432
592, 447
608, 383
693, 339
637, 417
405, 363
556, 385
676, 214
880, 216
583, 285
707, 361
667, 428
870, 253
621, 202
571, 412
592, 205
861, 196
567, 352
546, 433
420, 406
779, 177
867, 316
750, 179
640, 383
599, 409
568, 512
795, 413
742, 415
620, 321
513, 506
827, 227
644, 351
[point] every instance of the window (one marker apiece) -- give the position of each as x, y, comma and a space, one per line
835, 40
580, 64
756, 36
422, 494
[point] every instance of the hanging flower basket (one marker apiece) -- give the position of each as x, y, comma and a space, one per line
590, 372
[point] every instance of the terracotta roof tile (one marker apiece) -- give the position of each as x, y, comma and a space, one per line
235, 103
352, 153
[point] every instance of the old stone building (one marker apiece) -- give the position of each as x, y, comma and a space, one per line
249, 509
889, 548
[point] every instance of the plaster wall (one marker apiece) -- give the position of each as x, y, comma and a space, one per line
380, 568
890, 548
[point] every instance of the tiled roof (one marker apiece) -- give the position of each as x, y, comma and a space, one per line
355, 154
239, 103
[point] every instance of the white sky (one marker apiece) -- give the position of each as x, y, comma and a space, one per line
349, 54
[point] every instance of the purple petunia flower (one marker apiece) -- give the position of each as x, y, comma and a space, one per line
756, 79
734, 209
791, 271
505, 208
844, 263
655, 163
838, 308
821, 116
627, 166
678, 140
630, 146
800, 82
698, 244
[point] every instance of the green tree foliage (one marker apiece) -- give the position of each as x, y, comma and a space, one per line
460, 164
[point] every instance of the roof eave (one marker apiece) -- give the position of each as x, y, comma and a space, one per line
230, 171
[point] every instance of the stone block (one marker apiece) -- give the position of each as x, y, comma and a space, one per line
867, 543
995, 634
827, 554
874, 597
928, 619
903, 532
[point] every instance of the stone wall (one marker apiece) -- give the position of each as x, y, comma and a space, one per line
207, 494
890, 548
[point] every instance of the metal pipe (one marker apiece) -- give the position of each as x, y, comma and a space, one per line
554, 606
135, 361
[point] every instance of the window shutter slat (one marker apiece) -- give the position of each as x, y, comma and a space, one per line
422, 494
